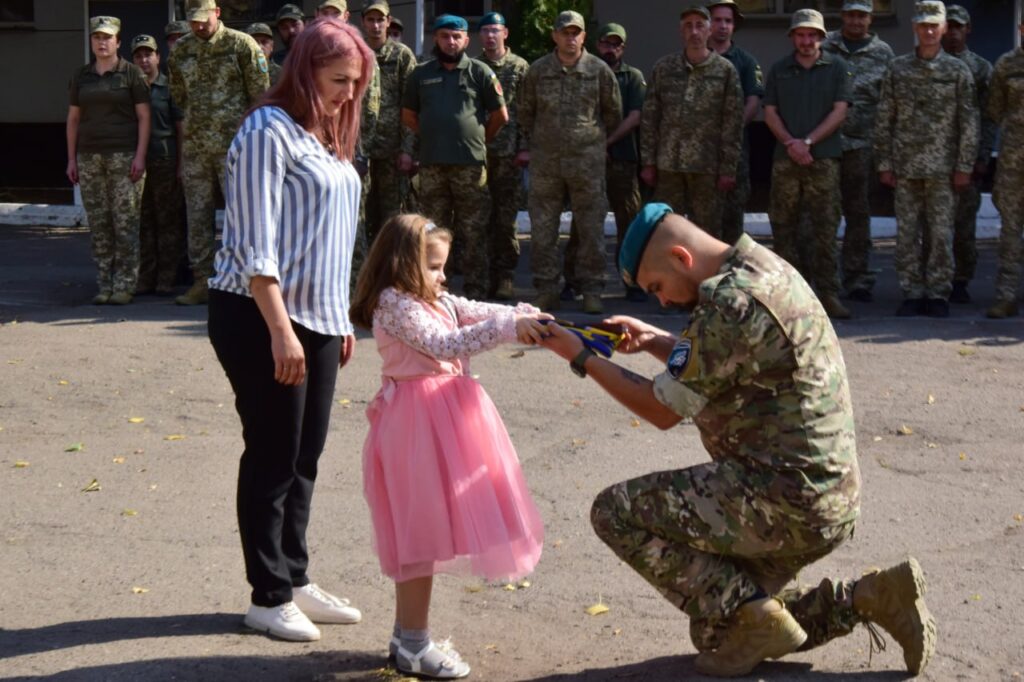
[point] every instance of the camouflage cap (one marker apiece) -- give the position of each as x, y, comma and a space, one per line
379, 5
731, 4
958, 14
569, 18
176, 28
199, 10
638, 236
109, 25
807, 18
695, 9
144, 40
858, 6
290, 11
929, 12
259, 29
612, 29
339, 5
397, 23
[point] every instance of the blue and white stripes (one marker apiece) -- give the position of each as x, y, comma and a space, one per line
291, 212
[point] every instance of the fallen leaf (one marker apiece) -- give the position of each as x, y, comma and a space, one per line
524, 583
93, 486
344, 402
118, 460
518, 354
966, 351
472, 589
597, 609
976, 597
140, 590
21, 464
932, 446
578, 442
136, 420
616, 632
577, 403
62, 382
491, 647
963, 456
139, 451
509, 587
153, 487
634, 422
904, 430
75, 447
129, 512
174, 436
931, 399
877, 438
1019, 518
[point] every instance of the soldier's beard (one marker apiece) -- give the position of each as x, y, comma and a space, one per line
610, 59
446, 58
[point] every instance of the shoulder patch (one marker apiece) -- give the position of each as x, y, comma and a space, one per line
497, 84
679, 359
261, 62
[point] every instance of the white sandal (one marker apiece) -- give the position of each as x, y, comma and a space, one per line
451, 667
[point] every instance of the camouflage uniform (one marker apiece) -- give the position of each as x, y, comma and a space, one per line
734, 202
927, 128
760, 371
214, 82
692, 132
565, 115
504, 177
965, 252
388, 187
856, 171
367, 122
1004, 108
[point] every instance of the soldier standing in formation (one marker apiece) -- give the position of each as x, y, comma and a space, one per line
1005, 109
174, 31
504, 177
161, 230
454, 104
289, 21
333, 9
216, 75
965, 224
691, 137
926, 145
264, 37
570, 104
806, 99
726, 18
395, 30
388, 147
868, 58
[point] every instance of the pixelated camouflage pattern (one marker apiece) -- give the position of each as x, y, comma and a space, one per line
395, 62
927, 123
811, 194
981, 70
566, 114
856, 178
867, 68
162, 230
511, 72
924, 236
215, 82
1004, 107
505, 184
369, 112
734, 202
692, 119
112, 207
274, 72
457, 197
622, 186
387, 196
201, 175
695, 195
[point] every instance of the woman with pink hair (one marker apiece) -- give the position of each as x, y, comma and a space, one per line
279, 302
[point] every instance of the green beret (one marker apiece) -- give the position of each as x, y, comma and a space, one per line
490, 19
450, 22
638, 236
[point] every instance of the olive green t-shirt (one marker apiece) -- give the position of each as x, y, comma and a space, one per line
633, 88
805, 97
107, 122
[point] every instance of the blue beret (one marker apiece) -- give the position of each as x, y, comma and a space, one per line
638, 236
490, 19
451, 22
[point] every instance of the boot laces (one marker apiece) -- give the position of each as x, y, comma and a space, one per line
876, 642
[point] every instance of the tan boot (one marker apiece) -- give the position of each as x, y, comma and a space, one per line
759, 629
1002, 309
548, 301
894, 598
592, 304
101, 298
835, 309
199, 294
120, 298
505, 290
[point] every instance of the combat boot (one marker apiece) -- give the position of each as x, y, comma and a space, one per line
758, 630
101, 298
835, 309
120, 298
894, 599
198, 294
592, 304
1002, 309
505, 291
547, 300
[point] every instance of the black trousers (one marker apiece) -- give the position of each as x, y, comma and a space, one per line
284, 429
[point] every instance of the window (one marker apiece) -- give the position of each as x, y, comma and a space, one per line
17, 12
760, 8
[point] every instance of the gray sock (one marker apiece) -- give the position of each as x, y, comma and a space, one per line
397, 631
413, 641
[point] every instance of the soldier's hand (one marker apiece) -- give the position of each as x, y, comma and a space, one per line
638, 333
522, 159
138, 168
348, 346
404, 163
649, 174
961, 181
561, 341
887, 178
726, 183
72, 171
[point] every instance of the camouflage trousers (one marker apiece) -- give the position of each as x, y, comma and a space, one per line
456, 197
623, 186
505, 183
855, 177
810, 192
1008, 196
695, 195
589, 204
965, 228
734, 202
202, 173
162, 232
361, 245
113, 205
388, 192
924, 211
707, 542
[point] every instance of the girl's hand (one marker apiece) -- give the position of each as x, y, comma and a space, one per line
529, 330
289, 358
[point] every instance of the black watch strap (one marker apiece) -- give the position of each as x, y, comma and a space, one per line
578, 363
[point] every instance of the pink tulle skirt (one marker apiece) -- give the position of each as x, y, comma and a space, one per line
443, 483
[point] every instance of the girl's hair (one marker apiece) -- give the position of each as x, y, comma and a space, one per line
322, 41
398, 258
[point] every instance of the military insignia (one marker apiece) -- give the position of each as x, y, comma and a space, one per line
261, 61
758, 75
680, 357
497, 85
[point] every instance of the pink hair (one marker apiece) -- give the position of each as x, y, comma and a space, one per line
323, 41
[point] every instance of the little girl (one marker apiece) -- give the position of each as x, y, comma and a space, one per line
440, 475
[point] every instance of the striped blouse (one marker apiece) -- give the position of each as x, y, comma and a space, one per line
291, 212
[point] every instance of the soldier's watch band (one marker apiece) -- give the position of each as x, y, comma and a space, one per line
578, 363
808, 141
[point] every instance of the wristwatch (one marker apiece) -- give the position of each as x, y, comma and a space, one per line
807, 141
578, 363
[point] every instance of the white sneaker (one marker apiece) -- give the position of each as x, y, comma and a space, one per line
323, 607
285, 621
